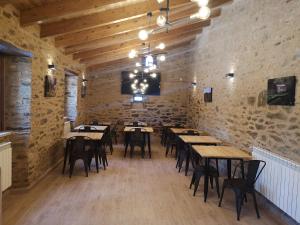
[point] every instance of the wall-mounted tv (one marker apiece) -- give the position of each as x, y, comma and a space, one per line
132, 83
281, 91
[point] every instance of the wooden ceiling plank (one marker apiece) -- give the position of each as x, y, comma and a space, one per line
120, 27
124, 53
102, 18
122, 38
107, 60
163, 37
48, 11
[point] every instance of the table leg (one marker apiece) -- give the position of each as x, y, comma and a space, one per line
149, 145
66, 156
206, 178
229, 168
187, 164
126, 143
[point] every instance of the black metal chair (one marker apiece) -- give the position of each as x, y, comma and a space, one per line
242, 186
137, 138
78, 150
171, 140
212, 173
94, 122
114, 133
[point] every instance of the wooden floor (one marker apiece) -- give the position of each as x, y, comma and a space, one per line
130, 192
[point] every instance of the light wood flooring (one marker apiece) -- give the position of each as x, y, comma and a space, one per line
130, 192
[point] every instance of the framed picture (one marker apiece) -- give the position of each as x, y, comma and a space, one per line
281, 91
207, 94
50, 86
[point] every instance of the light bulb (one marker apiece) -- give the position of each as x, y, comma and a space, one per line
137, 64
132, 54
202, 3
161, 21
136, 81
135, 71
143, 35
162, 58
146, 70
153, 75
131, 75
161, 46
204, 13
145, 80
160, 1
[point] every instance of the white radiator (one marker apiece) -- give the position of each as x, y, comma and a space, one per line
280, 182
6, 165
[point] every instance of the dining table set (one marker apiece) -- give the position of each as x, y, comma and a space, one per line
205, 152
85, 142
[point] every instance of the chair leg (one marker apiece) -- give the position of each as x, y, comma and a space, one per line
86, 165
196, 185
72, 162
211, 182
222, 194
131, 150
255, 204
192, 181
217, 186
167, 149
238, 201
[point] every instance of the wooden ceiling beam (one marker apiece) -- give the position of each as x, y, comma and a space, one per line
162, 37
103, 18
121, 27
129, 36
54, 10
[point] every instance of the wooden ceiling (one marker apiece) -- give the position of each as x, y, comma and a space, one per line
102, 32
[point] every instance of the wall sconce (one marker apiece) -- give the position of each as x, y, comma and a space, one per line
194, 84
229, 75
51, 67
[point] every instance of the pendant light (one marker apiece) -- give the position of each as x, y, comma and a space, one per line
161, 21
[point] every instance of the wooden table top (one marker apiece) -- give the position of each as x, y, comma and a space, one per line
131, 124
98, 128
189, 139
143, 129
182, 130
222, 152
92, 135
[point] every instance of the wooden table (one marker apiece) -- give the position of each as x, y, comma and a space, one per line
179, 131
96, 127
146, 130
92, 135
220, 152
197, 140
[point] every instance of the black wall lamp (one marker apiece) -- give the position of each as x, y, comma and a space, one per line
51, 67
194, 84
229, 75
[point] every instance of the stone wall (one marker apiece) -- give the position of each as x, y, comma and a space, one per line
39, 152
105, 102
257, 40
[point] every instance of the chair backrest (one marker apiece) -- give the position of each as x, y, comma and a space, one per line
137, 135
192, 132
254, 169
95, 122
87, 129
178, 125
135, 124
67, 127
78, 145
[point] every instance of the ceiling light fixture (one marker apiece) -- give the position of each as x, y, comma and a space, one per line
132, 54
161, 21
204, 13
143, 35
201, 3
161, 46
162, 58
160, 1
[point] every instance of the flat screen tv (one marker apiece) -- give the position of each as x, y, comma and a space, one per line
131, 83
281, 91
